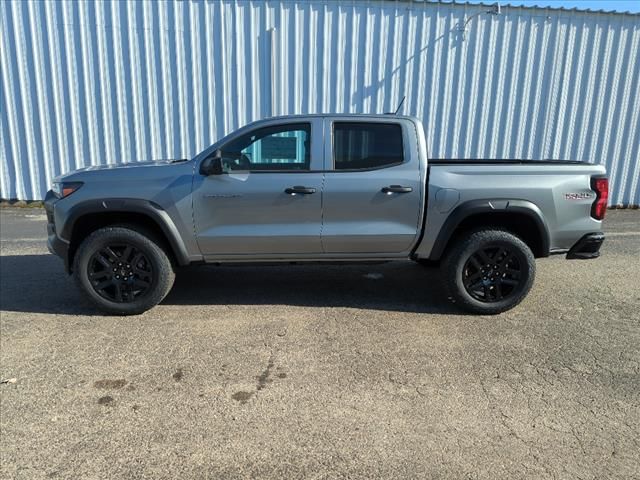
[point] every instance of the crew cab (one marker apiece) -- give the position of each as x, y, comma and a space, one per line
324, 188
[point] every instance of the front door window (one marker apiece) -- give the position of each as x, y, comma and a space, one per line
275, 148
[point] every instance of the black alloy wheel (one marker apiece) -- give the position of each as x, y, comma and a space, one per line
492, 274
120, 273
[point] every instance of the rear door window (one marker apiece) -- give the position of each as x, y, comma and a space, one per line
365, 146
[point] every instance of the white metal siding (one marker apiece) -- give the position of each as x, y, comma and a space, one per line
88, 83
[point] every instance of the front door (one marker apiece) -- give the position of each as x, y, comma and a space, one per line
268, 200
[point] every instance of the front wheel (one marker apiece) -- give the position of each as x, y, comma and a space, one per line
489, 271
123, 271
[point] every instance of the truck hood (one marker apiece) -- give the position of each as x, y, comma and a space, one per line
121, 166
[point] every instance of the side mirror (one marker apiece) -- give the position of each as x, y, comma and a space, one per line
212, 165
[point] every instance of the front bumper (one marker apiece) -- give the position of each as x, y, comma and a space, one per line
587, 247
55, 244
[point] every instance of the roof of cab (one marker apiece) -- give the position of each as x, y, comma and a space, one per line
339, 115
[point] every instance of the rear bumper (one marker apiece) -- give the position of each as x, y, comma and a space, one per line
55, 244
587, 247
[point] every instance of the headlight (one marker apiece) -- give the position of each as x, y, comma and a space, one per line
64, 189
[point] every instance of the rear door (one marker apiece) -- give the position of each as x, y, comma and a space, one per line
268, 200
373, 189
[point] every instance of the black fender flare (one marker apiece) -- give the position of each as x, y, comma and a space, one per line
497, 205
130, 205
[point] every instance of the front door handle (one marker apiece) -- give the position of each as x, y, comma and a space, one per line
299, 190
396, 189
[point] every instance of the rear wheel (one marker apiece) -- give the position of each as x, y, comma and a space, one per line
489, 271
122, 270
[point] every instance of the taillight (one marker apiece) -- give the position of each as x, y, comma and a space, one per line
600, 185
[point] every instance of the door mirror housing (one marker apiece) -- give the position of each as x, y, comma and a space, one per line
212, 165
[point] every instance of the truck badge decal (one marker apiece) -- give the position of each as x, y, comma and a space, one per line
578, 196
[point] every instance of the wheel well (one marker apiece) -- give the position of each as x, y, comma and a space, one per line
89, 223
520, 224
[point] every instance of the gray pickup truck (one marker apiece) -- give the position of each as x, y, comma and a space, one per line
324, 188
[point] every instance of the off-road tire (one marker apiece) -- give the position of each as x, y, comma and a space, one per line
160, 271
458, 267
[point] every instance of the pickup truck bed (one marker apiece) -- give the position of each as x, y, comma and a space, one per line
554, 196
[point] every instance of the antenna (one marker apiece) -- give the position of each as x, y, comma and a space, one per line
400, 106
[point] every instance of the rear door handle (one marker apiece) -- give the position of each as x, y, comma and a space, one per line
299, 190
396, 189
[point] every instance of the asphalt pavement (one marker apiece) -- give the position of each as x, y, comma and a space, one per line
320, 372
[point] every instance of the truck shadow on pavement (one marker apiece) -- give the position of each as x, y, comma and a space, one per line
38, 284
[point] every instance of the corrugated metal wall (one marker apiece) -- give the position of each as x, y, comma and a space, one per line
88, 83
